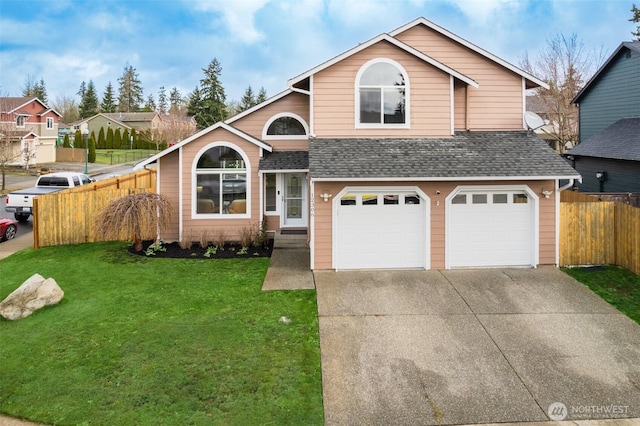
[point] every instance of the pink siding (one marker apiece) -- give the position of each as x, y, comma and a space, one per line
334, 97
323, 219
169, 185
253, 124
497, 103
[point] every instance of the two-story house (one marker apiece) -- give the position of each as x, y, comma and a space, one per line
29, 131
608, 156
408, 151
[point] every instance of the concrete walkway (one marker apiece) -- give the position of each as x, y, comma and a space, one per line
473, 346
289, 267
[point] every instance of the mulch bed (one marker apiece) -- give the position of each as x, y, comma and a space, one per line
230, 251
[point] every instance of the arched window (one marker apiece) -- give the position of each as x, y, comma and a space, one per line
221, 182
285, 126
382, 95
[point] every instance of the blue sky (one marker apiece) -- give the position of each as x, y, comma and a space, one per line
261, 43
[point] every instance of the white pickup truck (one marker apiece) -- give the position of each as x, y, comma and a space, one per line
21, 202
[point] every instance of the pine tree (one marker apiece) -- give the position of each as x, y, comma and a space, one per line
102, 139
91, 155
150, 105
125, 139
130, 91
67, 142
134, 137
248, 100
89, 103
209, 104
194, 106
262, 96
635, 19
77, 140
162, 101
117, 139
108, 99
176, 103
35, 89
82, 89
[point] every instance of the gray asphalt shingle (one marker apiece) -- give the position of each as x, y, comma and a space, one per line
619, 141
466, 155
285, 160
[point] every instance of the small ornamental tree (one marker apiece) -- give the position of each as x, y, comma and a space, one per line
126, 142
109, 138
134, 136
102, 139
140, 216
77, 140
117, 139
67, 142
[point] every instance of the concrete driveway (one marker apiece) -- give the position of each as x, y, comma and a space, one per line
472, 346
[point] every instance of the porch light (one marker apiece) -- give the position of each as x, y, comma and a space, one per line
325, 196
546, 194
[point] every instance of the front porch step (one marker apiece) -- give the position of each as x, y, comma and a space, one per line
288, 241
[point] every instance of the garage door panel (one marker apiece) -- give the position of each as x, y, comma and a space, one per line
497, 230
375, 236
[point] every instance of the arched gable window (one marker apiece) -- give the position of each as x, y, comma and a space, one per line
382, 95
221, 181
285, 126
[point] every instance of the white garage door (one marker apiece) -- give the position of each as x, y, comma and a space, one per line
491, 228
381, 230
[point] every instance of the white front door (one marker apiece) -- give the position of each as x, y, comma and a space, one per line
294, 211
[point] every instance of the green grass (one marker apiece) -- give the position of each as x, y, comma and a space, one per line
618, 286
117, 156
145, 341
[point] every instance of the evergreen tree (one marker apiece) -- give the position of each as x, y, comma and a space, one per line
108, 100
262, 96
248, 100
194, 106
33, 88
82, 89
162, 101
209, 102
130, 91
109, 138
102, 139
91, 155
89, 103
77, 140
125, 139
117, 139
150, 105
176, 103
67, 142
134, 137
635, 19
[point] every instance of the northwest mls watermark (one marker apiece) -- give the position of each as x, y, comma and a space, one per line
557, 411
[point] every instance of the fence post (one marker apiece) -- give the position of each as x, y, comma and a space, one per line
36, 228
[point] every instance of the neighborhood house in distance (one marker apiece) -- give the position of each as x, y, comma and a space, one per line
408, 151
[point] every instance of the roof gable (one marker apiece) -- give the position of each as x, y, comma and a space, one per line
259, 106
14, 104
383, 37
422, 21
219, 125
631, 46
619, 141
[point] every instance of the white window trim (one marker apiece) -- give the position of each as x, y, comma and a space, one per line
50, 120
285, 137
277, 211
494, 189
407, 98
22, 118
194, 192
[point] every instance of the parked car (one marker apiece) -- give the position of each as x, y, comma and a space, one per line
8, 229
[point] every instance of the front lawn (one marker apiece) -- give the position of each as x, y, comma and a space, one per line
147, 341
616, 285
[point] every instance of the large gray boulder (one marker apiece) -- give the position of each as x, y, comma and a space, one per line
33, 294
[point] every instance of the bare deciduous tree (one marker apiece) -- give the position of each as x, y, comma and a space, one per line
565, 65
140, 216
8, 151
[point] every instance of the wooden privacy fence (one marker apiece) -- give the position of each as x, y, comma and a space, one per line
602, 232
66, 217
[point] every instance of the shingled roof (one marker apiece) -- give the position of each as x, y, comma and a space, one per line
285, 160
467, 155
619, 141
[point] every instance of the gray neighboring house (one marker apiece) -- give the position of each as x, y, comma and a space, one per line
608, 156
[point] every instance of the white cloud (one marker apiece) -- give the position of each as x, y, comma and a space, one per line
238, 16
481, 12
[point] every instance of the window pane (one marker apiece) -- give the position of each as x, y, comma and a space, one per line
370, 100
459, 199
412, 199
270, 192
221, 157
499, 198
382, 74
391, 199
287, 126
394, 105
520, 199
348, 200
234, 187
479, 198
208, 193
369, 199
